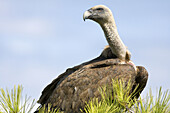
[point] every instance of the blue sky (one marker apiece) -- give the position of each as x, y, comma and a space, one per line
40, 39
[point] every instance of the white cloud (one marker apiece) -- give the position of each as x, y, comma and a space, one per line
25, 26
15, 20
21, 47
4, 7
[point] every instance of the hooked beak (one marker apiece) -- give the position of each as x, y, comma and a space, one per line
87, 14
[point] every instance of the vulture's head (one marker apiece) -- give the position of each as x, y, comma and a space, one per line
100, 14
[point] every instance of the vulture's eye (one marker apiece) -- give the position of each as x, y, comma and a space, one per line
99, 9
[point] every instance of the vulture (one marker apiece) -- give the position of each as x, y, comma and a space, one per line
77, 85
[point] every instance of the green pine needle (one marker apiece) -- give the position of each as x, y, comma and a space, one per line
10, 101
114, 99
48, 109
118, 99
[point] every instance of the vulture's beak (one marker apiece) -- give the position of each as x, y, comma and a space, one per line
87, 14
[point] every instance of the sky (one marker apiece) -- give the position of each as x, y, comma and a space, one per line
40, 39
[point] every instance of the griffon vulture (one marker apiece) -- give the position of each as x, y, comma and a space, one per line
70, 90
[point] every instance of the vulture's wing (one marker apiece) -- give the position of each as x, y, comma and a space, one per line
106, 54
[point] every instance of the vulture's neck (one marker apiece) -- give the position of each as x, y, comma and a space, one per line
115, 43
